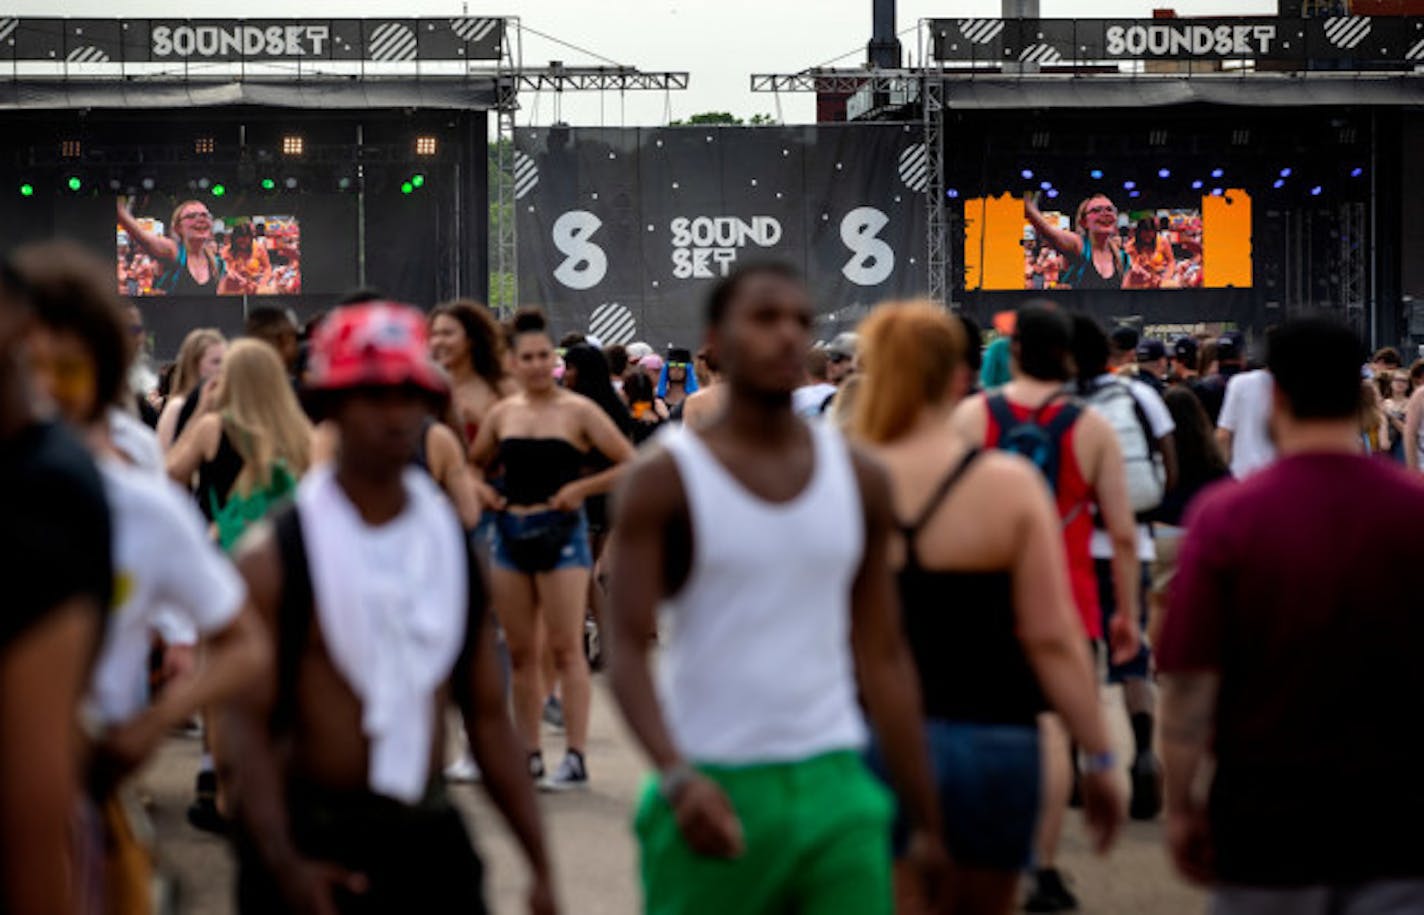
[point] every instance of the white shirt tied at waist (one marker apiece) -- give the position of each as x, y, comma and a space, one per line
758, 666
392, 601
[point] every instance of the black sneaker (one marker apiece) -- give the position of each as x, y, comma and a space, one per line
203, 813
1050, 893
572, 774
1146, 775
536, 766
554, 713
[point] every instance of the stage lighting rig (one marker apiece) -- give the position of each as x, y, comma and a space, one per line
204, 146
293, 145
425, 146
71, 149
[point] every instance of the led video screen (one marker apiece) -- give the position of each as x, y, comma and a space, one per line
206, 247
1089, 241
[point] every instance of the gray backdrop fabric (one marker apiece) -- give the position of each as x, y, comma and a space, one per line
622, 231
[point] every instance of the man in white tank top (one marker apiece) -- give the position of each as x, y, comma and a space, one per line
764, 542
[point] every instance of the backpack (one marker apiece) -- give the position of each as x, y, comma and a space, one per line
1041, 444
1146, 472
242, 511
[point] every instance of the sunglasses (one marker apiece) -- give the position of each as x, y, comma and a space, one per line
1093, 211
195, 216
677, 365
839, 358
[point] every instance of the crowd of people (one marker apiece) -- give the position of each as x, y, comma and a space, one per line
857, 601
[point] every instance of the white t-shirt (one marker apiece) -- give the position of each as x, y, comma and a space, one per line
806, 402
1160, 419
1246, 413
162, 560
137, 442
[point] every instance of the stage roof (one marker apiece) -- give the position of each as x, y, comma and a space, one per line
1146, 91
474, 93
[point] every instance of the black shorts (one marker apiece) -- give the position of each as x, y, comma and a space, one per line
1107, 599
414, 858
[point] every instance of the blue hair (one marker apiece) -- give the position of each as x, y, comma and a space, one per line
689, 383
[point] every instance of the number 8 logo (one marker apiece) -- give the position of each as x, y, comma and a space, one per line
874, 260
586, 263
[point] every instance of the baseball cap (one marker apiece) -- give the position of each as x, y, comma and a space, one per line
1231, 345
679, 354
1184, 349
374, 344
844, 344
1150, 349
651, 362
637, 351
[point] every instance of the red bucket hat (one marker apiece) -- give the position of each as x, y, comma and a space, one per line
373, 344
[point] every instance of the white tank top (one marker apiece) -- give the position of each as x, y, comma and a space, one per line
757, 663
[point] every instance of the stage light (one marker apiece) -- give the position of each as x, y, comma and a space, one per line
27, 190
1286, 172
268, 184
1197, 185
1053, 192
291, 184
147, 184
1278, 183
417, 180
293, 145
407, 188
1027, 174
115, 184
219, 190
425, 146
1218, 172
952, 193
1129, 185
1096, 174
343, 183
203, 183
1217, 192
1356, 172
203, 146
71, 149
74, 183
1317, 191
1045, 185
1134, 193
1164, 173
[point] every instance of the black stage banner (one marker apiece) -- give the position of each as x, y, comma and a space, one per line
102, 41
622, 231
1312, 43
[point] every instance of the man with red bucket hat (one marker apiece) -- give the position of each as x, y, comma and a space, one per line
378, 612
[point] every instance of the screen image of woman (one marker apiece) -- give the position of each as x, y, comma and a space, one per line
198, 253
185, 259
1094, 255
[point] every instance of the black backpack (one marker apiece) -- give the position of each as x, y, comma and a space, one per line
1030, 438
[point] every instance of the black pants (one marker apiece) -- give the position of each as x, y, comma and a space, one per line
414, 858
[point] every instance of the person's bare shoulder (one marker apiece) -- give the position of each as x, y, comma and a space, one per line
970, 418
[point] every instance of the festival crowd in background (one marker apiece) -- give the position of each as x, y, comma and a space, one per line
856, 600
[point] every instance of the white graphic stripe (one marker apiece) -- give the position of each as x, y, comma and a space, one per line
1416, 52
7, 27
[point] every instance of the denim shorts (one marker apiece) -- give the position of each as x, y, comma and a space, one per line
988, 777
1138, 667
575, 553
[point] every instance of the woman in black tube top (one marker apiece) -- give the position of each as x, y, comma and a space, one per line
987, 609
541, 437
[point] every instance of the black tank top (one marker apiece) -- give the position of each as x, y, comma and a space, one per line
536, 468
217, 477
961, 630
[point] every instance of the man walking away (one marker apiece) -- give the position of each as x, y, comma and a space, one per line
1290, 654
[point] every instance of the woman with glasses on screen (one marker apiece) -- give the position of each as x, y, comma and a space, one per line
1094, 252
187, 255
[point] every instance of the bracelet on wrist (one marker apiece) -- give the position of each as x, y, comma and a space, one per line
674, 779
1098, 763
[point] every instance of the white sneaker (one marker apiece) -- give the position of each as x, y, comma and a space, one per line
463, 770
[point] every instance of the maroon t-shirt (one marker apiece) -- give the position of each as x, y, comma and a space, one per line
1304, 588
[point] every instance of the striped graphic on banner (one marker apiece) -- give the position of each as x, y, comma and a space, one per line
470, 29
526, 175
1416, 52
1346, 32
981, 31
1040, 54
7, 28
915, 168
392, 41
87, 54
612, 323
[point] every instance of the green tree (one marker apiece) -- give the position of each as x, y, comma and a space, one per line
502, 291
722, 117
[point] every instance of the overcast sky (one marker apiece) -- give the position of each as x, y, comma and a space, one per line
720, 42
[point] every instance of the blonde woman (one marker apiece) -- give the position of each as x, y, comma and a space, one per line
986, 607
186, 253
254, 427
1093, 249
199, 359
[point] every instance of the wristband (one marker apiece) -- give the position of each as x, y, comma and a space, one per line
1099, 763
672, 781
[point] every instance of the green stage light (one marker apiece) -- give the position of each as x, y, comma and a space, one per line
268, 184
75, 184
219, 190
417, 180
407, 188
27, 190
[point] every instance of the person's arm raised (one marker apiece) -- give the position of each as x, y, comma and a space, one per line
1069, 243
1052, 637
651, 549
158, 247
886, 673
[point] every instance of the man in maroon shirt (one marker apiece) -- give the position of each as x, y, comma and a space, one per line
1290, 653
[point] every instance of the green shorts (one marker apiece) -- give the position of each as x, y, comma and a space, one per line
817, 836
